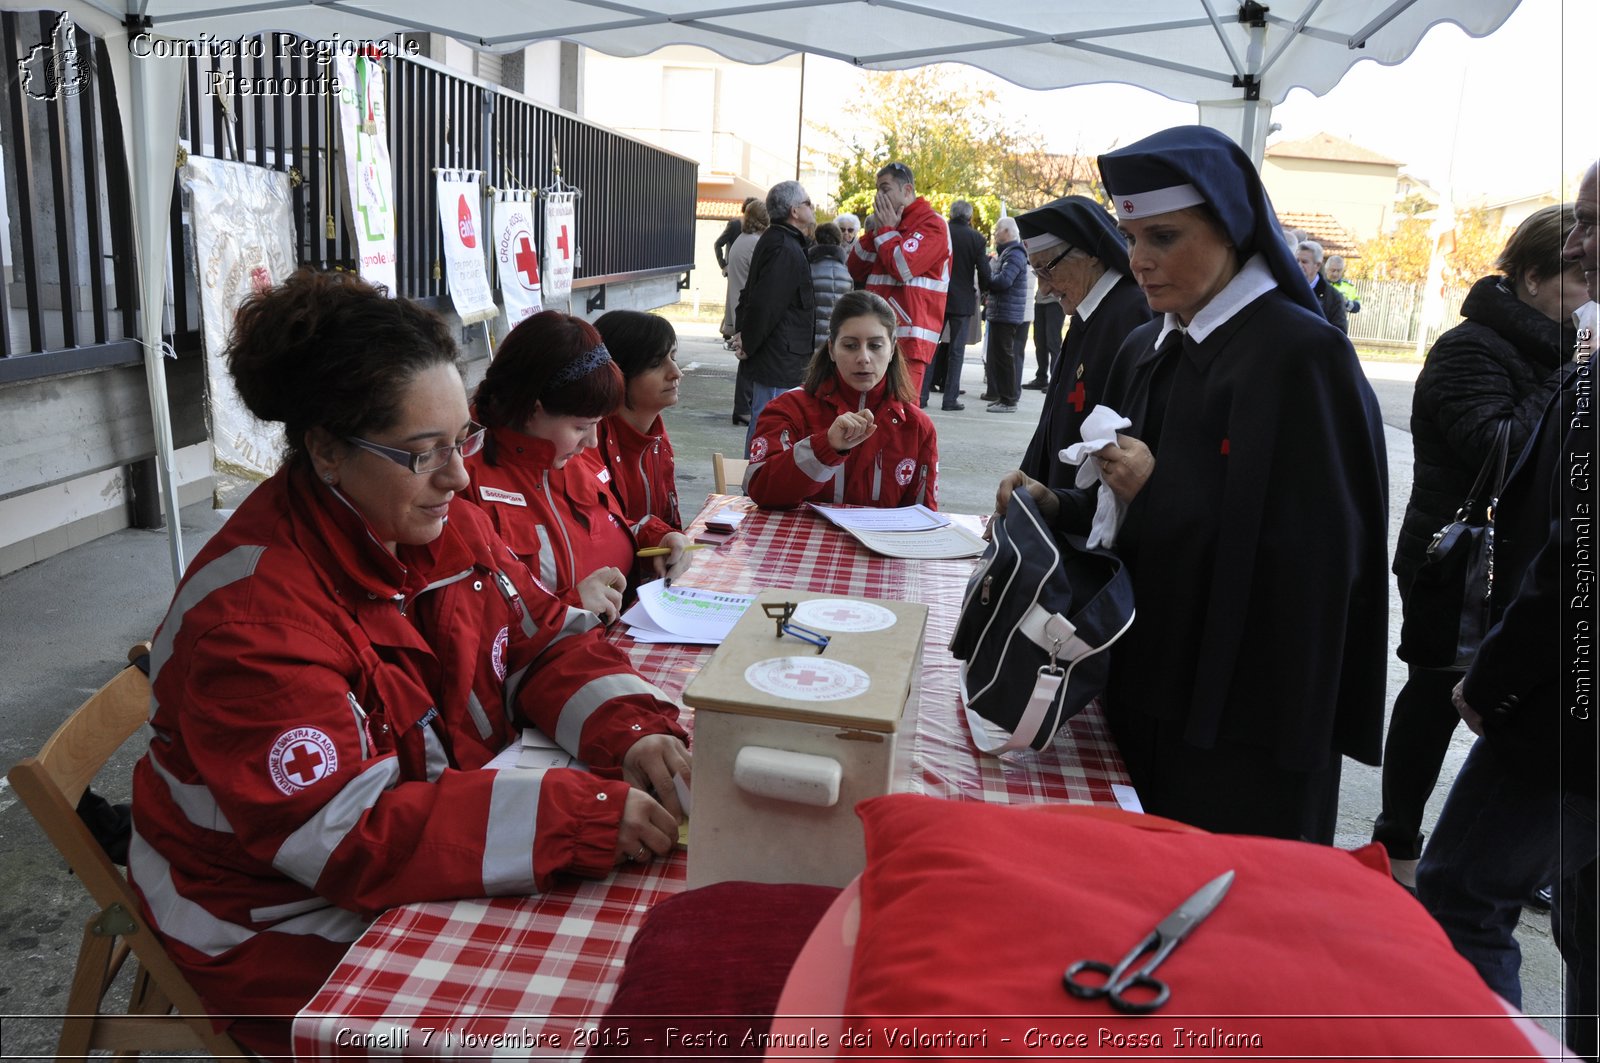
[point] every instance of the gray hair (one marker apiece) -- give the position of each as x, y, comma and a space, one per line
855, 222
782, 198
961, 210
1335, 258
1312, 246
1006, 226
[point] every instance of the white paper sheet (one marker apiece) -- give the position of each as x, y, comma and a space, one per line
932, 544
643, 629
685, 614
901, 519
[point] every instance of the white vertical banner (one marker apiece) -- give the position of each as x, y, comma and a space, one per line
243, 243
560, 242
516, 251
460, 218
368, 176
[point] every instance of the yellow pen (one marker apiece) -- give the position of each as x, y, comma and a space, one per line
663, 551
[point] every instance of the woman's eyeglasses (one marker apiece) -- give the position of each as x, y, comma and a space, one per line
429, 460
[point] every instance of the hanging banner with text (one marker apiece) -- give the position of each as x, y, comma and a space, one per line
514, 250
243, 243
560, 242
368, 177
460, 217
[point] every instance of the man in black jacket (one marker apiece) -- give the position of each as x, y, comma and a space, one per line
969, 274
1308, 253
773, 322
1523, 810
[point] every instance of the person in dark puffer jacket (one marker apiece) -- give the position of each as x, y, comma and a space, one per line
830, 277
1499, 365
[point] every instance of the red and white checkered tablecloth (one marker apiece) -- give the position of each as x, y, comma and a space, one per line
514, 977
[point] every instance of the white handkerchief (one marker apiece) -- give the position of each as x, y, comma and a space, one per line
1099, 430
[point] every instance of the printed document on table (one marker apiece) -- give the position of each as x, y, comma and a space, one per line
902, 519
950, 541
640, 628
692, 612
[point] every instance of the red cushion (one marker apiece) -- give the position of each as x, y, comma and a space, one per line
710, 963
971, 911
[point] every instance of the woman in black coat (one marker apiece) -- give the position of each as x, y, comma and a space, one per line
1499, 366
1247, 499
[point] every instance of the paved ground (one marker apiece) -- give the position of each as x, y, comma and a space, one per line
68, 621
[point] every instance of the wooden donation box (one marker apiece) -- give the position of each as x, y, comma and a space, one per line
788, 739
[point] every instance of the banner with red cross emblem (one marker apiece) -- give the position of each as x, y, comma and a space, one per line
516, 251
560, 242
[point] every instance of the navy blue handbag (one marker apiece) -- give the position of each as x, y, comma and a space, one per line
1039, 613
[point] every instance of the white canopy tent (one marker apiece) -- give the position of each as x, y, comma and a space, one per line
1233, 59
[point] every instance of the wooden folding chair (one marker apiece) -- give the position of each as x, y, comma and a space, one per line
51, 784
726, 470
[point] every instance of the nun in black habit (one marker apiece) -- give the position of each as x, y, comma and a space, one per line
1076, 252
1255, 487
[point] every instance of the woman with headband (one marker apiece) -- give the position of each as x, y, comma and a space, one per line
539, 476
1251, 492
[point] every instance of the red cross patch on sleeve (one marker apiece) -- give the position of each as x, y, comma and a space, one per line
300, 757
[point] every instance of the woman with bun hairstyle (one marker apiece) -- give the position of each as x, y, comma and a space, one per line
540, 478
341, 661
852, 432
633, 439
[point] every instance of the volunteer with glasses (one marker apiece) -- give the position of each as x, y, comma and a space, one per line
540, 476
1076, 252
1248, 498
343, 654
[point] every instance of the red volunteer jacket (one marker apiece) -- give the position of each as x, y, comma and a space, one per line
791, 461
551, 518
910, 267
320, 707
642, 475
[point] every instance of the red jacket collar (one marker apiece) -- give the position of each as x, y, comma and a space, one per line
838, 393
629, 438
340, 541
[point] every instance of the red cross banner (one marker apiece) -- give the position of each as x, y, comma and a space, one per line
461, 219
560, 242
515, 252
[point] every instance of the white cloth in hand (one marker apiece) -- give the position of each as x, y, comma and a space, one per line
1099, 431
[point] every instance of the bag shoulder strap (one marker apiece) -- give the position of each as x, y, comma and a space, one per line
1493, 463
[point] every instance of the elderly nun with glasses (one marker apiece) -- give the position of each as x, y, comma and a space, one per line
342, 658
1246, 492
1075, 250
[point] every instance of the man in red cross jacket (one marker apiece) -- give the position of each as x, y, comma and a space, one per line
904, 255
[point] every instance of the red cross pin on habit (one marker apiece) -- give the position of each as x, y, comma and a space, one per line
1224, 446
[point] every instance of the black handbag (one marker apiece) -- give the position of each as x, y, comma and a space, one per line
1447, 609
1037, 616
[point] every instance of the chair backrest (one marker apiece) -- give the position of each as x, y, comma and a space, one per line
52, 782
725, 471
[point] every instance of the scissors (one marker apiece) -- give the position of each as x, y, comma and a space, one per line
1167, 935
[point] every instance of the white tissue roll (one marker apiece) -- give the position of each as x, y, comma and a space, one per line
799, 778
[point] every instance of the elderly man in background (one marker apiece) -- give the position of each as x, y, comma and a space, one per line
1333, 270
1008, 299
775, 310
1308, 253
969, 275
904, 256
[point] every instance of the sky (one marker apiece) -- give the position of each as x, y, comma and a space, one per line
1516, 112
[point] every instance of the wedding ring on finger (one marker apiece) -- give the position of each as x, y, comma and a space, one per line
642, 855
